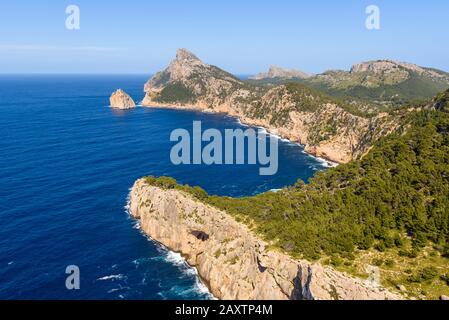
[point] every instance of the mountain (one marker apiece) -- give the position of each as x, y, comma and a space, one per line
384, 82
188, 78
325, 126
280, 73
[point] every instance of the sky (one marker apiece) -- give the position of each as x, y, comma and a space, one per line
242, 37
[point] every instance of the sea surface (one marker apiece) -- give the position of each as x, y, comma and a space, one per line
67, 162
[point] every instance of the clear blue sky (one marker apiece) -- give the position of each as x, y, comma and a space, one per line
242, 37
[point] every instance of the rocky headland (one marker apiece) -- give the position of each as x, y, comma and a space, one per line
231, 259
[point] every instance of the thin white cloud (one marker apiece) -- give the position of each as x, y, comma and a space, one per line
34, 47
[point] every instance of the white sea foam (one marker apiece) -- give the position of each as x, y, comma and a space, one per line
139, 261
112, 277
137, 226
325, 163
238, 121
174, 258
177, 260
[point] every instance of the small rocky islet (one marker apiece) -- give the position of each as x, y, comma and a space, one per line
121, 100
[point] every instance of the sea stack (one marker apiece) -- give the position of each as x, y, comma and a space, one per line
121, 100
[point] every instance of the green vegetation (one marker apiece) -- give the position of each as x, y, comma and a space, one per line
420, 275
391, 95
305, 99
442, 101
423, 275
401, 188
309, 99
176, 92
271, 82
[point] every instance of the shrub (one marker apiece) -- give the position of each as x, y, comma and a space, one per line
378, 262
389, 263
424, 275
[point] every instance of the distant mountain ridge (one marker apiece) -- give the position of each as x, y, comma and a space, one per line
275, 72
385, 82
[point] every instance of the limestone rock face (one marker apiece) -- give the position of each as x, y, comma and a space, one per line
189, 71
234, 263
280, 73
382, 67
121, 100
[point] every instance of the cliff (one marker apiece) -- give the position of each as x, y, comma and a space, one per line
121, 100
233, 261
326, 127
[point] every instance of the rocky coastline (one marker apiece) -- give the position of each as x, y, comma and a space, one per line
233, 261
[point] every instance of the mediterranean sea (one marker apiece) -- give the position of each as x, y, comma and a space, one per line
67, 163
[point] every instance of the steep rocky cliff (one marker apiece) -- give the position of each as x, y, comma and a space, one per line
121, 100
326, 127
234, 262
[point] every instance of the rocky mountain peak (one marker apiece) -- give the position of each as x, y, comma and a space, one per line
394, 72
378, 66
385, 66
184, 55
184, 63
194, 76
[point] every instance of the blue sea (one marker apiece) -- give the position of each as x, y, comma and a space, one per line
66, 166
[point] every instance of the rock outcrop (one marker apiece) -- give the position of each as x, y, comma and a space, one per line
280, 73
383, 67
232, 261
121, 100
